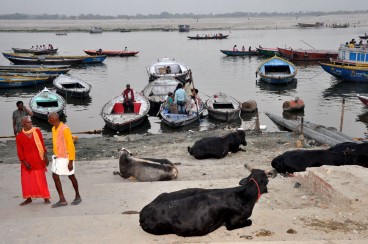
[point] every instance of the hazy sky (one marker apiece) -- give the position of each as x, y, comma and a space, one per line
132, 7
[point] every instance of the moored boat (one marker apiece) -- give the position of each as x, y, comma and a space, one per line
184, 28
72, 87
208, 37
40, 69
277, 70
12, 81
239, 53
157, 90
223, 107
365, 36
267, 52
95, 30
120, 53
46, 102
53, 60
307, 55
117, 119
35, 51
158, 69
180, 120
314, 25
363, 99
346, 71
345, 25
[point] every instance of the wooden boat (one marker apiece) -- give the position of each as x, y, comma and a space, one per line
157, 90
180, 120
61, 33
223, 107
365, 36
277, 70
39, 69
46, 102
34, 51
120, 53
346, 25
306, 25
346, 71
72, 87
158, 69
293, 105
208, 37
268, 52
363, 99
239, 53
356, 55
307, 55
12, 81
115, 118
184, 28
95, 30
53, 60
48, 77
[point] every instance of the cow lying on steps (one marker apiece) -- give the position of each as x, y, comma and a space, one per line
145, 169
218, 147
197, 212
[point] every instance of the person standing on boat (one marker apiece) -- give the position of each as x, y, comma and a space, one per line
180, 99
63, 159
128, 95
234, 48
243, 48
32, 155
18, 115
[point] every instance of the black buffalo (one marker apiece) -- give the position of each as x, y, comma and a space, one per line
146, 169
218, 147
197, 212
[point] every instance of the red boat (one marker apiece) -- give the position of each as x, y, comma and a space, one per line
307, 55
363, 99
120, 53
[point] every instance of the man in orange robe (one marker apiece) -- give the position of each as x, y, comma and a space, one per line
32, 155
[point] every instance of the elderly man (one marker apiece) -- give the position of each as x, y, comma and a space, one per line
63, 159
32, 155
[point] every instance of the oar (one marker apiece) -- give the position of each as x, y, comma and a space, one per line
307, 44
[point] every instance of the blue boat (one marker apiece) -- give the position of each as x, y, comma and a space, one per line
9, 81
239, 53
46, 102
94, 59
346, 71
277, 70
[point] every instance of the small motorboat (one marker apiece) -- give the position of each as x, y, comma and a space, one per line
223, 107
277, 70
268, 52
363, 99
157, 90
72, 87
46, 102
239, 53
180, 120
15, 81
119, 120
112, 53
158, 69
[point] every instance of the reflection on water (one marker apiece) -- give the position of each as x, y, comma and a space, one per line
277, 88
293, 115
76, 101
345, 89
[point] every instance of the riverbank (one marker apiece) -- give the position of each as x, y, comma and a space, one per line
116, 25
109, 211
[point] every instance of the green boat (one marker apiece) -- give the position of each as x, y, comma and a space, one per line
268, 52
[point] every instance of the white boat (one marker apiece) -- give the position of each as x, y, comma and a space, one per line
223, 107
72, 87
117, 119
158, 69
46, 102
180, 120
157, 90
94, 30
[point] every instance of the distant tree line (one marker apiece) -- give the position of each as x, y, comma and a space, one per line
166, 15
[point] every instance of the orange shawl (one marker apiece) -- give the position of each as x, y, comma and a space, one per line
37, 140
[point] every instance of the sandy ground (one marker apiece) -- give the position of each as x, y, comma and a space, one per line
110, 207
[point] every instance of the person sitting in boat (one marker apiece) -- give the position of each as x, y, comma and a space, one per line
169, 103
234, 48
125, 49
128, 95
243, 48
168, 70
32, 48
180, 99
99, 51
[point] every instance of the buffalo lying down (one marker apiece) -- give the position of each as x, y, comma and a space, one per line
347, 153
197, 212
146, 169
218, 147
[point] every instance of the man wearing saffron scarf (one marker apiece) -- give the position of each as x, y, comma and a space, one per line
63, 159
32, 155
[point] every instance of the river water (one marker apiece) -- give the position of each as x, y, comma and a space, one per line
212, 72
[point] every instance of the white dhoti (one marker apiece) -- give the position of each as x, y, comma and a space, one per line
60, 166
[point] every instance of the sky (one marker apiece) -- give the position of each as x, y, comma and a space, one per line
133, 7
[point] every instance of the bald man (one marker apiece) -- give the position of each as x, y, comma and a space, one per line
63, 158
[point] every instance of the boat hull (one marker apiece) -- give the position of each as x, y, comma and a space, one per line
178, 70
238, 53
36, 52
208, 37
277, 70
46, 102
268, 52
307, 55
112, 53
71, 87
346, 73
21, 81
180, 120
223, 107
363, 99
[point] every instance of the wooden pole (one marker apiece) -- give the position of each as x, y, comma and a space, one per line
258, 129
342, 114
